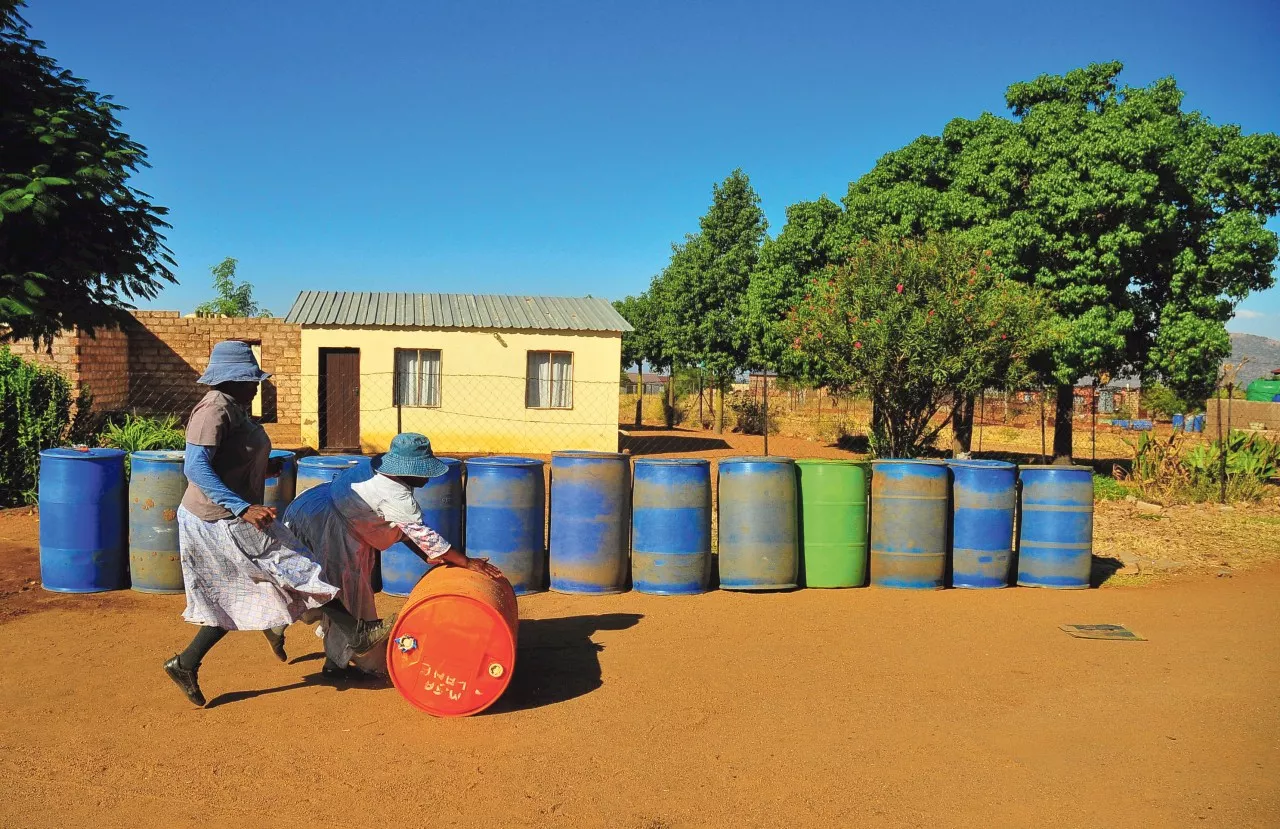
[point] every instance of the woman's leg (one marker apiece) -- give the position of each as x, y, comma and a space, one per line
275, 637
183, 669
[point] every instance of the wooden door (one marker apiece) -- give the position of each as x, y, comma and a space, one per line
340, 398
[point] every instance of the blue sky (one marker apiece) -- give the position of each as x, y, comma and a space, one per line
560, 147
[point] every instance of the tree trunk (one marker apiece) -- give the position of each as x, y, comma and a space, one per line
962, 426
669, 413
640, 399
720, 407
1062, 414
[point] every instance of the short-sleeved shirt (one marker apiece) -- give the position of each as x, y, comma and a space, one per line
240, 451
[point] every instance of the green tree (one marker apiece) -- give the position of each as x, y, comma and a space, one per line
234, 299
917, 326
1144, 223
77, 242
702, 292
808, 243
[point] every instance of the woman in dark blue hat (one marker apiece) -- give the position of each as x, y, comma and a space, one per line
241, 569
364, 510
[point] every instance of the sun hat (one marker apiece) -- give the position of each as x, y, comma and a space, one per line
410, 455
232, 361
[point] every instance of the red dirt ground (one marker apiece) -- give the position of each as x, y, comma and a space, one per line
808, 709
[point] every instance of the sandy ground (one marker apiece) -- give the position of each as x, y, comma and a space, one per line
808, 709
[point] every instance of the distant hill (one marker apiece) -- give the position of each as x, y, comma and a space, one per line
1263, 354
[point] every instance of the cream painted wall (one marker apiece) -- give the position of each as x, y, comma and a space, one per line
482, 389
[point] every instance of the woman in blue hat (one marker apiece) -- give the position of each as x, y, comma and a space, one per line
362, 511
242, 570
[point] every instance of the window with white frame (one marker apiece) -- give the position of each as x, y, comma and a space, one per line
417, 377
549, 381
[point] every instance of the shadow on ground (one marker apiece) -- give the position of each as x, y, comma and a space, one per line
557, 661
664, 441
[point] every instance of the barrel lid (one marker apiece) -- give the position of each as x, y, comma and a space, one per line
82, 453
283, 453
450, 655
829, 462
757, 459
503, 460
588, 453
673, 462
159, 455
921, 461
329, 461
981, 463
1050, 467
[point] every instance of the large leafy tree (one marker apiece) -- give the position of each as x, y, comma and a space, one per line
77, 242
915, 325
808, 243
1144, 223
233, 299
704, 287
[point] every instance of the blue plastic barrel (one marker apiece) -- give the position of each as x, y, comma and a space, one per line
156, 486
1199, 423
984, 496
1141, 425
671, 526
82, 520
441, 504
590, 522
1055, 539
281, 489
1120, 424
321, 469
506, 518
909, 512
1176, 421
759, 529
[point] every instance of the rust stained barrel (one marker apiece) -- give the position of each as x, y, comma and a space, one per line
909, 511
156, 487
453, 647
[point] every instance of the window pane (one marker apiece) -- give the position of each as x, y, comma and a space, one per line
406, 377
562, 380
537, 393
430, 361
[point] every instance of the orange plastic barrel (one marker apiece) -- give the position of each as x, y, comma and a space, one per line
453, 646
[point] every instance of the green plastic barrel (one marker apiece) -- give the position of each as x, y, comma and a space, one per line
833, 522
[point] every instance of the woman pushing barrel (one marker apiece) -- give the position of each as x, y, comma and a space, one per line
242, 570
367, 509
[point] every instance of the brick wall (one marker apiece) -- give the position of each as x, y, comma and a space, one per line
100, 362
168, 352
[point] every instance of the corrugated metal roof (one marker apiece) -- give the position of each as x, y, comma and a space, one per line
544, 313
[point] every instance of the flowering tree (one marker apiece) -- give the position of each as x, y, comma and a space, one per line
917, 325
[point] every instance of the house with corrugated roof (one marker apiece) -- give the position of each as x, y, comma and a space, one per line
475, 373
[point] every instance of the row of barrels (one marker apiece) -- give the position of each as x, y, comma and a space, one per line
614, 524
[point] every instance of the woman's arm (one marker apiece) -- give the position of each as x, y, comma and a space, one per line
197, 465
433, 549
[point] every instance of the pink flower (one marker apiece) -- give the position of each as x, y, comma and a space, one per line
1003, 337
899, 287
818, 335
930, 312
857, 345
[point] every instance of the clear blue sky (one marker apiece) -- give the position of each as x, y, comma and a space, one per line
560, 147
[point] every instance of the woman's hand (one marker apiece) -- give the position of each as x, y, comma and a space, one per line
259, 516
482, 566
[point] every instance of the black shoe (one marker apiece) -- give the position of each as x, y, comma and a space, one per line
332, 670
186, 680
276, 641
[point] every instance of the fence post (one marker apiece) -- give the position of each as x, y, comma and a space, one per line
982, 414
1223, 442
1043, 449
764, 380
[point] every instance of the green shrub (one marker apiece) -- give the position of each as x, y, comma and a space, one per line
37, 413
140, 434
750, 414
1174, 469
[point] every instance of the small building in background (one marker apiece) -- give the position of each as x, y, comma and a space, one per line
653, 383
1122, 395
477, 374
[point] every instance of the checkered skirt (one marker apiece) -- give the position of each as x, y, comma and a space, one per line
241, 578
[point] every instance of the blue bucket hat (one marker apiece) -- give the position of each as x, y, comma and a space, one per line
232, 361
410, 455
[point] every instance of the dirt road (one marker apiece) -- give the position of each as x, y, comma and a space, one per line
810, 709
